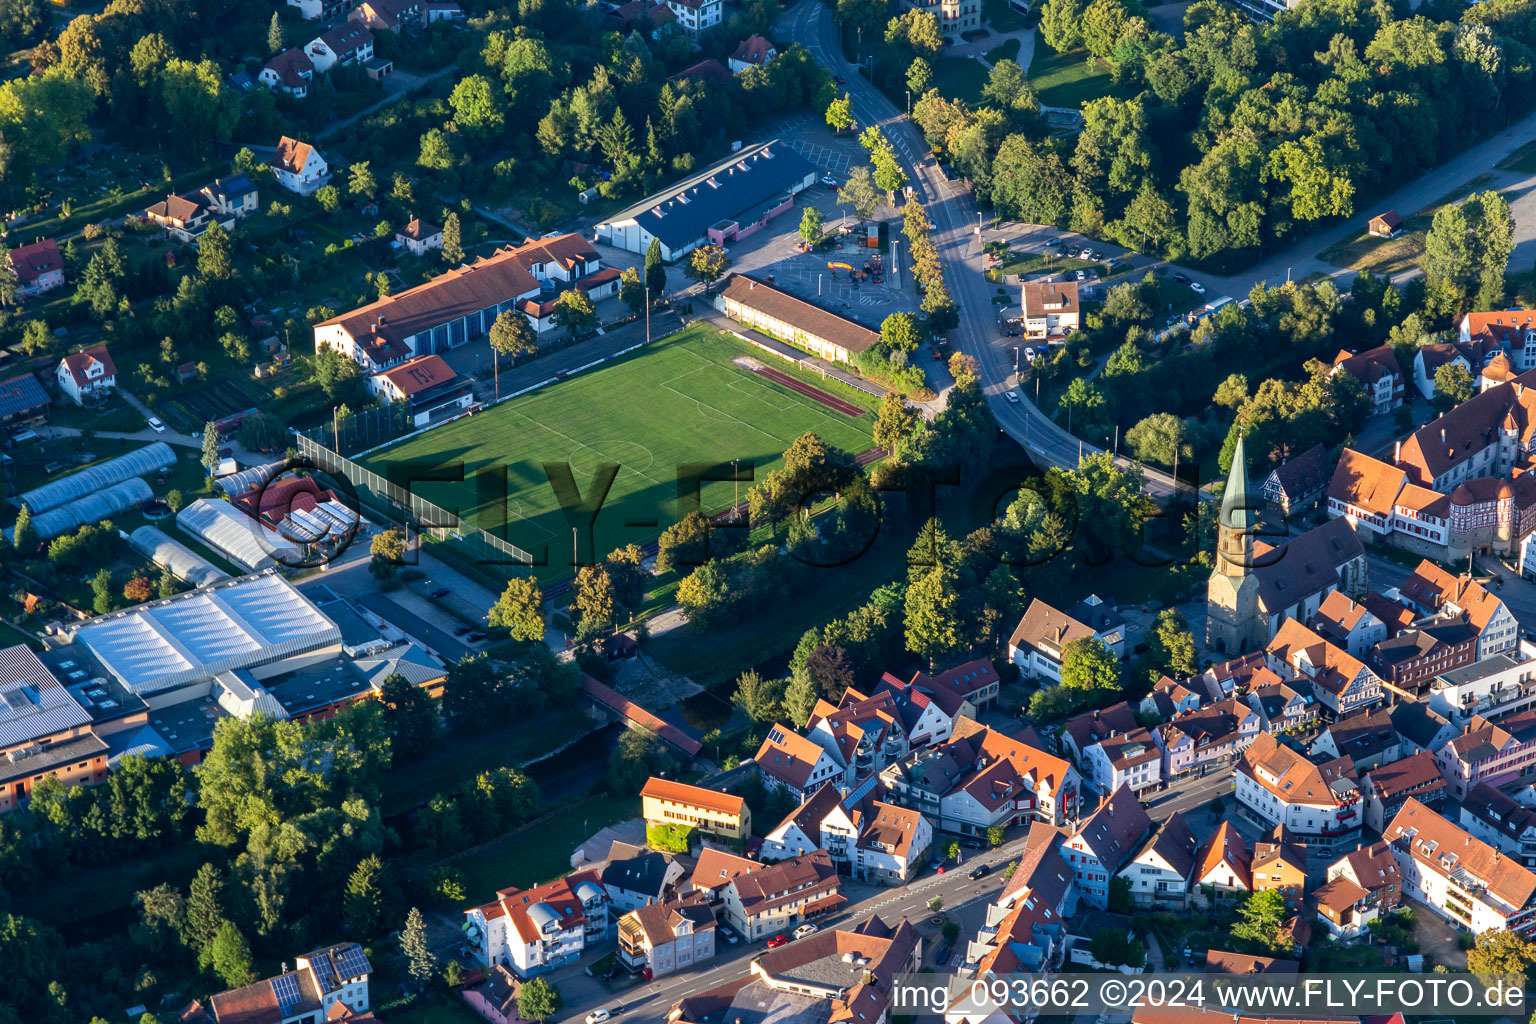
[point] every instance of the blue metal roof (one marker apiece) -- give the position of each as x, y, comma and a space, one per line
21, 394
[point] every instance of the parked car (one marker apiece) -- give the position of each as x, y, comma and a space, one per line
1081, 276
461, 630
1013, 332
440, 593
940, 869
598, 1016
156, 425
980, 871
474, 638
804, 930
1053, 243
827, 179
1181, 278
1098, 256
1029, 354
942, 956
776, 942
729, 936
1197, 287
1012, 396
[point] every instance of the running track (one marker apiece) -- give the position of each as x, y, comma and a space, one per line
816, 394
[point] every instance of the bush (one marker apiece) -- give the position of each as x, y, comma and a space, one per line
669, 838
1466, 941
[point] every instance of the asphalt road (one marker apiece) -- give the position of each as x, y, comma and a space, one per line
953, 211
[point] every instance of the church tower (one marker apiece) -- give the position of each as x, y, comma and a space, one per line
1232, 624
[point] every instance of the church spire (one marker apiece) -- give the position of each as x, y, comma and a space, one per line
1234, 500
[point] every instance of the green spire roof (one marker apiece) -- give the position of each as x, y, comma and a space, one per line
1234, 500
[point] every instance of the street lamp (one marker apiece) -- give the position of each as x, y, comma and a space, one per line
909, 102
1015, 360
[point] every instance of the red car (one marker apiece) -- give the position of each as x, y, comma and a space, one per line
777, 941
940, 870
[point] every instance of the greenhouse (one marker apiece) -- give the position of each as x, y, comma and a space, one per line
249, 479
182, 561
93, 508
149, 459
236, 535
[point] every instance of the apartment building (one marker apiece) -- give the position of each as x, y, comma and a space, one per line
1460, 877
1318, 803
665, 802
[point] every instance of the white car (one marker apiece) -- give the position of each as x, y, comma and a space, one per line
804, 930
598, 1016
1012, 396
156, 425
1029, 354
827, 179
1197, 287
1081, 276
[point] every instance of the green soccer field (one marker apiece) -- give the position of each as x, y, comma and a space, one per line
683, 400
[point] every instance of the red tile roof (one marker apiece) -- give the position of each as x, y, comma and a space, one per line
34, 260
77, 362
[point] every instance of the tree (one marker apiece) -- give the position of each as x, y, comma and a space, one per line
574, 311
411, 717
1119, 899
655, 270
936, 904
933, 615
10, 284
36, 338
363, 901
1008, 88
811, 222
683, 544
840, 113
593, 598
436, 153
1453, 385
1260, 919
860, 193
138, 590
475, 694
329, 198
453, 247
832, 669
901, 332
476, 107
704, 592
632, 290
101, 590
538, 1000
894, 421
1232, 392
1088, 665
520, 610
1161, 438
275, 38
758, 698
919, 76
25, 535
995, 835
1081, 397
1501, 952
800, 698
262, 432
231, 957
512, 334
707, 263
1171, 645
388, 553
420, 961
361, 182
1469, 244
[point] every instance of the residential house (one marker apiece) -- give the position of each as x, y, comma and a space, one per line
1498, 370
955, 17
1410, 660
1220, 961
1433, 591
45, 733
1223, 862
537, 930
1494, 688
317, 10
1052, 310
665, 802
653, 19
1284, 708
1368, 739
752, 52
637, 877
1340, 681
1487, 435
349, 43
1105, 843
801, 832
1386, 789
431, 389
668, 937
1131, 759
1159, 872
1385, 225
390, 15
1280, 864
1207, 738
419, 236
1378, 373
696, 16
1512, 330
1365, 491
23, 402
183, 218
1346, 908
1493, 816
1374, 869
290, 71
86, 375
726, 201
458, 307
781, 896
1025, 928
299, 167
39, 267
1419, 727
235, 196
1318, 803
1039, 641
1170, 697
1460, 877
893, 843
862, 734
1080, 732
1349, 625
1298, 483
789, 761
981, 778
328, 984
927, 713
974, 682
1475, 357
715, 870
1489, 752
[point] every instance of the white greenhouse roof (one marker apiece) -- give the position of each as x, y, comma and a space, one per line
251, 621
236, 535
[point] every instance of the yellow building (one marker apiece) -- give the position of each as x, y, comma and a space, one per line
675, 803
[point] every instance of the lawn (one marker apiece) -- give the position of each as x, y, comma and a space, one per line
540, 852
1008, 51
680, 402
1522, 160
1002, 17
1394, 255
446, 1010
1029, 262
1070, 79
960, 78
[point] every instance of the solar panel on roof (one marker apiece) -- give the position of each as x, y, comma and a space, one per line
286, 988
354, 964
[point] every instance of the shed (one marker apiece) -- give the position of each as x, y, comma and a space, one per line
1386, 225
